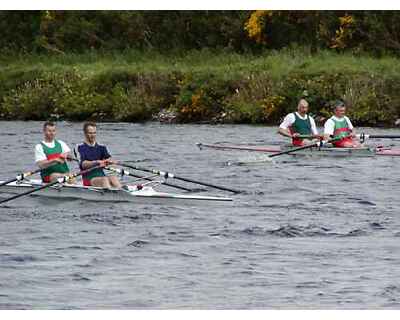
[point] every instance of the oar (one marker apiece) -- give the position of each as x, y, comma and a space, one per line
136, 175
63, 179
170, 175
308, 136
24, 175
364, 136
128, 173
269, 157
20, 177
308, 146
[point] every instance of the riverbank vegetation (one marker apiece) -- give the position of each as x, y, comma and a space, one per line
245, 75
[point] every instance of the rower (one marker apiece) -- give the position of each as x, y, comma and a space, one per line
51, 154
299, 124
93, 154
340, 128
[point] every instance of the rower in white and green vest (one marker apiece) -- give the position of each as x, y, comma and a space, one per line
51, 154
339, 128
299, 126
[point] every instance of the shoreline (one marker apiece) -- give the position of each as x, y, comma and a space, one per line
319, 125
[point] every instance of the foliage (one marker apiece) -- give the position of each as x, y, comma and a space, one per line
62, 32
369, 31
143, 98
345, 32
255, 26
201, 86
228, 66
201, 96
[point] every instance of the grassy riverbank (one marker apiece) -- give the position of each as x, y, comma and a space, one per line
197, 86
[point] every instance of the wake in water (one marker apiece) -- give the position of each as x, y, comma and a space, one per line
251, 160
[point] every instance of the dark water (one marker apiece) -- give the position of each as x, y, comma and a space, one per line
309, 233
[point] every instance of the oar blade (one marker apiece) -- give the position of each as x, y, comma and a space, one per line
251, 162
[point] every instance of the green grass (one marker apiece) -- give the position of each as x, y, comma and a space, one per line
198, 85
276, 64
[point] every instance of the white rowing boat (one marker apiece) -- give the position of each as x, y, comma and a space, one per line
132, 193
328, 150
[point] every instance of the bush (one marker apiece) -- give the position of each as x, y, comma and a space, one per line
201, 96
204, 87
146, 97
33, 99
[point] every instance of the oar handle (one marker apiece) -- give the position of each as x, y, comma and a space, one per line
309, 136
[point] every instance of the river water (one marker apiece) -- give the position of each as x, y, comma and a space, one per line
307, 233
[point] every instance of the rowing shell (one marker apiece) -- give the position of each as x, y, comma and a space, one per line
323, 151
145, 194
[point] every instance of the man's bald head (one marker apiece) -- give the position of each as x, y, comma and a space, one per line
302, 106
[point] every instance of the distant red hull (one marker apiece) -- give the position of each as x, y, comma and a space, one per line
380, 151
387, 152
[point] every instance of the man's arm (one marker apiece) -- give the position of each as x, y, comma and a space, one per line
41, 159
87, 164
329, 128
43, 164
285, 125
66, 151
351, 127
84, 163
285, 132
107, 157
314, 129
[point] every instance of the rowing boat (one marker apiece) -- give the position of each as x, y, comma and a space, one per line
343, 152
328, 150
130, 193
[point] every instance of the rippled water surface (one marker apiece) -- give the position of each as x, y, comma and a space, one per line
308, 233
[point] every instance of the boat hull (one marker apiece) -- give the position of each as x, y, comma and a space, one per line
143, 195
333, 152
315, 151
